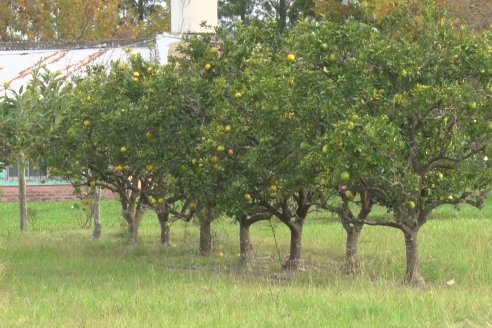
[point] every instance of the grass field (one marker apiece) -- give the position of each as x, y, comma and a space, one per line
55, 275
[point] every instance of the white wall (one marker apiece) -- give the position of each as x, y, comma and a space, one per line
186, 15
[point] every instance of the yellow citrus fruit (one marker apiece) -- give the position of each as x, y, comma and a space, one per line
345, 176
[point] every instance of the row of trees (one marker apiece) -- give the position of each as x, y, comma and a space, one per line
46, 20
476, 14
255, 125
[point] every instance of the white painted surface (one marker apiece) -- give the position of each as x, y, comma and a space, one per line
187, 15
163, 43
16, 66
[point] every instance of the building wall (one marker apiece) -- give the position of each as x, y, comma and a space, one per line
187, 16
44, 193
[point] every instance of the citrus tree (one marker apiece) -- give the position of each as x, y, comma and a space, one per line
256, 135
333, 72
422, 131
91, 148
202, 161
169, 129
130, 130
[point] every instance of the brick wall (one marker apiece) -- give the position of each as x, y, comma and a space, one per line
42, 193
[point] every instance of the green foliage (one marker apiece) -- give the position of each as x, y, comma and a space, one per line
395, 112
111, 137
29, 116
75, 20
247, 11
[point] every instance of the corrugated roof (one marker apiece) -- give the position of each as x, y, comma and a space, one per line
19, 60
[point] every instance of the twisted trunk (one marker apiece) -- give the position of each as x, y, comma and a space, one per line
412, 275
295, 262
165, 227
133, 231
352, 265
296, 224
133, 214
353, 229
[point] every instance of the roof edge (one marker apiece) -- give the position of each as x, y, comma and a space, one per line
71, 45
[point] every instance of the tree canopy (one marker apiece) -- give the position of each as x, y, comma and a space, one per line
336, 114
47, 20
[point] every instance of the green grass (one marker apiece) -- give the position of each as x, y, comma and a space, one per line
56, 276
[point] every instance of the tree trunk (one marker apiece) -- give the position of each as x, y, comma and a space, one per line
352, 265
141, 10
244, 243
282, 14
294, 262
130, 220
412, 275
133, 214
96, 212
165, 228
133, 230
21, 168
133, 224
205, 237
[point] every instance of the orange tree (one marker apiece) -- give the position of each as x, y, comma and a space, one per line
165, 142
334, 80
108, 139
253, 157
214, 179
202, 162
421, 133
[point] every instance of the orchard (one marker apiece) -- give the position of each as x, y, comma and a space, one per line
256, 125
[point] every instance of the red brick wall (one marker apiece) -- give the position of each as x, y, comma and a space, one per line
42, 193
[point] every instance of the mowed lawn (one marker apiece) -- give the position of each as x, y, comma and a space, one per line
55, 275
